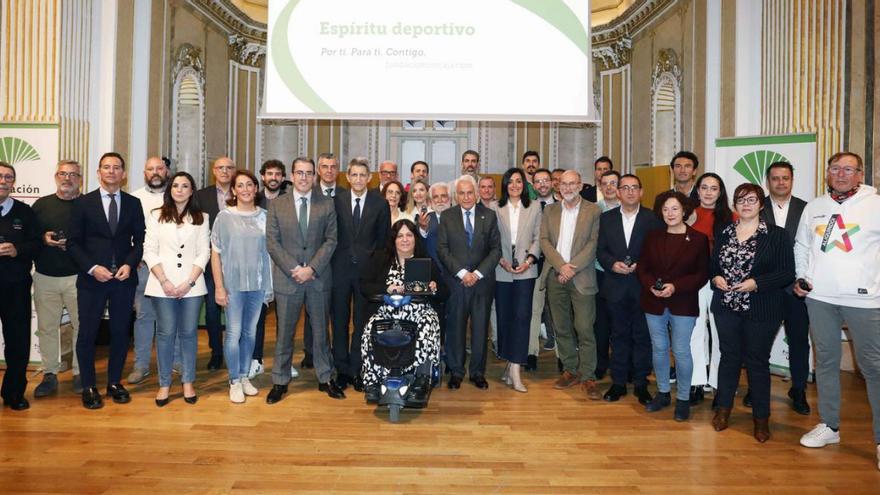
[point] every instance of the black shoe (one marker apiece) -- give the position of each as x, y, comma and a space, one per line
682, 410
600, 373
420, 389
531, 363
747, 399
276, 393
191, 400
307, 362
371, 394
480, 382
162, 402
696, 395
47, 387
799, 401
215, 363
343, 380
641, 393
118, 393
660, 401
358, 384
454, 382
615, 393
91, 398
333, 390
17, 404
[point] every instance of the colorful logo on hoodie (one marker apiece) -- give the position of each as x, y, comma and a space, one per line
840, 230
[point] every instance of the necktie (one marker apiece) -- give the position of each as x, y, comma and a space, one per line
113, 214
468, 228
328, 191
543, 204
304, 216
356, 215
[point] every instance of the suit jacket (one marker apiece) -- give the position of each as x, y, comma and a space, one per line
589, 193
177, 249
527, 242
355, 246
795, 210
91, 243
207, 198
583, 245
485, 250
772, 269
431, 238
288, 249
612, 248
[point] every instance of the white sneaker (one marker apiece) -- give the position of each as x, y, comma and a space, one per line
236, 394
247, 387
820, 436
256, 369
293, 372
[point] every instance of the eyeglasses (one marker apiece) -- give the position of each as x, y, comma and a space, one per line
387, 172
65, 175
748, 200
8, 177
633, 188
303, 173
847, 171
569, 184
606, 184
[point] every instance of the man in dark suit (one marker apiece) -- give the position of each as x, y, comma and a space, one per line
622, 232
106, 240
785, 210
469, 247
212, 199
301, 237
363, 220
600, 166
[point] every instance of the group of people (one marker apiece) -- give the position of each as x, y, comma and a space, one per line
692, 290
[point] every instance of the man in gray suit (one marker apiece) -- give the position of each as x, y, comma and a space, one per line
301, 238
469, 246
785, 210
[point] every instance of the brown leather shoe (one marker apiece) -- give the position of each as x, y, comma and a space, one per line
567, 379
762, 429
591, 389
721, 419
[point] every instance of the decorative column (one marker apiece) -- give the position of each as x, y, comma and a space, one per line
245, 99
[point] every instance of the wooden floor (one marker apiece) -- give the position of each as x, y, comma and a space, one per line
466, 441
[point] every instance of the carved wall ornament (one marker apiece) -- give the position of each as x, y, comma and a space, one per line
247, 52
189, 57
667, 62
616, 54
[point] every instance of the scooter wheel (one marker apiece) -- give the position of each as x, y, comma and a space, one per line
394, 412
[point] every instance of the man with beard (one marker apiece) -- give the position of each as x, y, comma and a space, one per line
540, 310
531, 162
151, 196
418, 170
470, 165
429, 224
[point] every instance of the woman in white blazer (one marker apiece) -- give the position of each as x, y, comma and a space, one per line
177, 249
519, 223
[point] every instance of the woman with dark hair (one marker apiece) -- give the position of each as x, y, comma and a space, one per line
519, 224
176, 250
243, 277
751, 265
396, 197
385, 274
671, 270
710, 217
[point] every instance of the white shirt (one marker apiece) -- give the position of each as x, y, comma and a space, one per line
464, 220
628, 223
332, 188
105, 201
150, 200
567, 225
362, 197
514, 218
780, 211
7, 205
297, 199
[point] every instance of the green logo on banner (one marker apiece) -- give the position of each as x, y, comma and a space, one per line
15, 150
753, 166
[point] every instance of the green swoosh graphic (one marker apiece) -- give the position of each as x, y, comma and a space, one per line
561, 17
287, 68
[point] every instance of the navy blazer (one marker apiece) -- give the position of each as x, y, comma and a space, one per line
612, 248
431, 239
355, 245
91, 243
485, 249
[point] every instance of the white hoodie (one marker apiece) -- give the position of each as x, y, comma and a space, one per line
837, 249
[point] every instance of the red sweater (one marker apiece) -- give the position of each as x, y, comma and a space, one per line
679, 259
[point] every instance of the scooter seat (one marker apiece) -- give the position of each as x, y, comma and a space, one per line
393, 339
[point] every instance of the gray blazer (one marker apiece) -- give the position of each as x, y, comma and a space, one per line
528, 240
288, 249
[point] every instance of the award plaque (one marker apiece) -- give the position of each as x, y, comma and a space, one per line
417, 275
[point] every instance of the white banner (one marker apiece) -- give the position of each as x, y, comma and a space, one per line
33, 150
745, 160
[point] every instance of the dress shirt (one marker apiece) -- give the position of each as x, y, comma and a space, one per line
332, 188
628, 223
222, 197
567, 225
297, 200
362, 197
7, 206
464, 219
105, 201
514, 218
780, 211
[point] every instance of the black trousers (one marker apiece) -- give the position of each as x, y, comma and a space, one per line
15, 314
212, 317
91, 302
797, 331
630, 342
345, 295
474, 304
602, 328
745, 342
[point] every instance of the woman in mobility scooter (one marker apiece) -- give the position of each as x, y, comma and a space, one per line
384, 274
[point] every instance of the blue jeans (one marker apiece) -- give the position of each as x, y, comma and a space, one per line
146, 324
242, 314
681, 328
177, 321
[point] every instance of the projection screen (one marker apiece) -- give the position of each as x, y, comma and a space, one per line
442, 59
